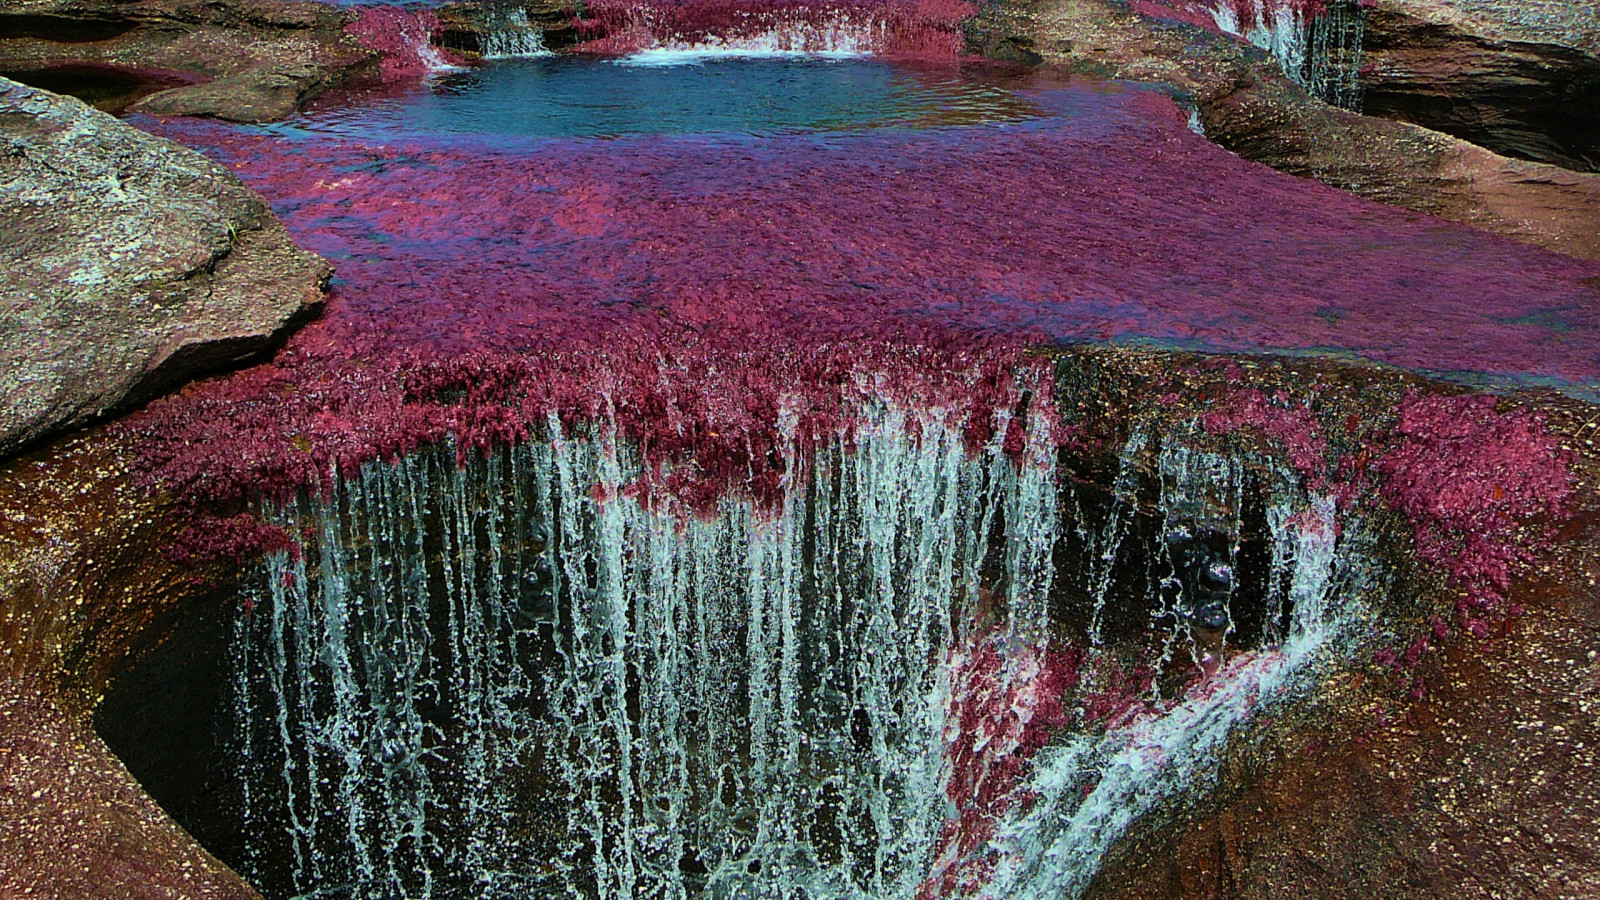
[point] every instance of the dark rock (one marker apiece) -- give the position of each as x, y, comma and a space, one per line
242, 60
1469, 776
130, 264
1531, 100
1008, 48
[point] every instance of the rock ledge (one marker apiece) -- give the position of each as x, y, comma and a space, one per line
130, 264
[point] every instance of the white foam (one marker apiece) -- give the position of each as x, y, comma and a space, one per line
698, 54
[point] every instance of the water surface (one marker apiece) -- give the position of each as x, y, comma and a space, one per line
668, 92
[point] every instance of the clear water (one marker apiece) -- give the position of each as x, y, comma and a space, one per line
670, 92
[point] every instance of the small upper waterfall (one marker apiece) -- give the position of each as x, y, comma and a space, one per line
403, 38
1318, 44
512, 37
770, 27
928, 671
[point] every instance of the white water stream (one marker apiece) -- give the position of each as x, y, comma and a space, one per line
514, 679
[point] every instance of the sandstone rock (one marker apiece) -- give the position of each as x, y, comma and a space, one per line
81, 576
1484, 82
1244, 102
1561, 22
130, 263
243, 60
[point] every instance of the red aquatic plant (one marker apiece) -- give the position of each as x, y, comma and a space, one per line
1005, 702
1246, 14
401, 37
898, 28
714, 301
1287, 423
1480, 487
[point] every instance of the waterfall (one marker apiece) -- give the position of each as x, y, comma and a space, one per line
840, 37
1336, 45
1319, 47
513, 38
526, 676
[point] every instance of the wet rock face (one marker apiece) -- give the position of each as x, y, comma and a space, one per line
242, 60
130, 264
1464, 769
1535, 100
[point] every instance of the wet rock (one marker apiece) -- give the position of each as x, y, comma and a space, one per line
1244, 102
81, 579
1008, 48
1498, 87
130, 265
105, 847
242, 60
1453, 765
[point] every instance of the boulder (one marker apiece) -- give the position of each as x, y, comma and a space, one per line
241, 60
130, 264
1553, 22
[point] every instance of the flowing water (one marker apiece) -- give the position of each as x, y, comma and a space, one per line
508, 679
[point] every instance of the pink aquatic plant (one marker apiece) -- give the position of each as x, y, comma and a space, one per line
1287, 423
897, 28
1005, 702
1246, 14
698, 295
402, 39
1480, 487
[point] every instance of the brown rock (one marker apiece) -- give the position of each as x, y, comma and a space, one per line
243, 60
1561, 22
1484, 786
130, 264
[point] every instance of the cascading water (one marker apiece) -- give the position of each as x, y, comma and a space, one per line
522, 677
1335, 48
1278, 28
513, 38
1318, 44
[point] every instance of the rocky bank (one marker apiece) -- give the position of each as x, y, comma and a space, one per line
1244, 101
131, 264
242, 60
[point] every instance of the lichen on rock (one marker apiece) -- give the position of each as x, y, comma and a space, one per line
130, 263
